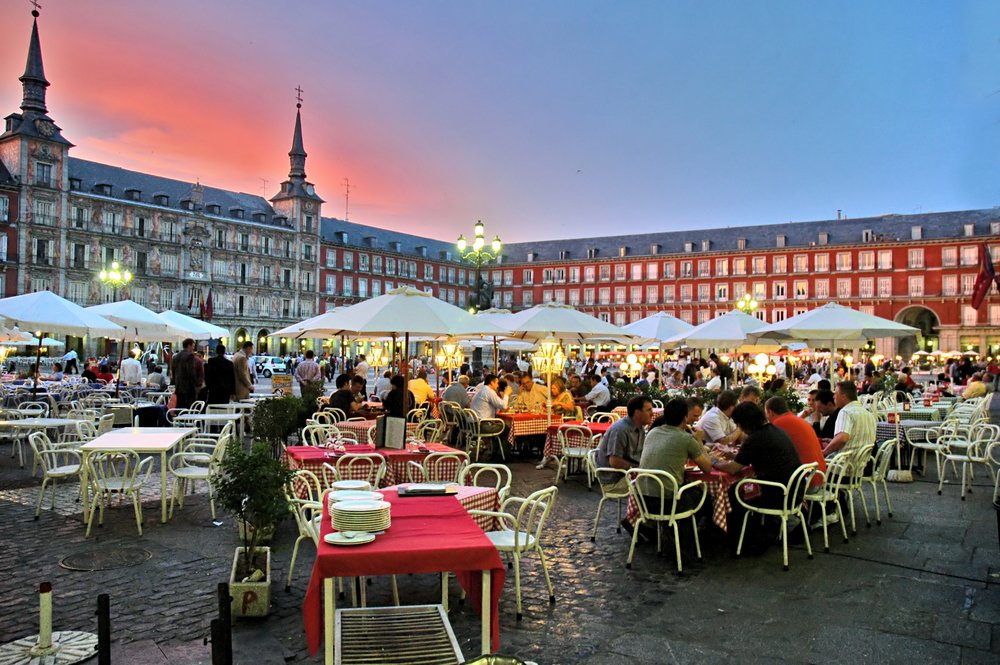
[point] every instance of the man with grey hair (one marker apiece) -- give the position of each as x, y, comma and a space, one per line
458, 392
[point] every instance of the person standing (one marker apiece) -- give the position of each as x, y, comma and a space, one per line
220, 377
241, 370
187, 374
69, 361
309, 375
130, 372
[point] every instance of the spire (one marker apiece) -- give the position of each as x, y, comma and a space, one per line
33, 80
297, 155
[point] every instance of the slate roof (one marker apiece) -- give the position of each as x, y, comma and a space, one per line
356, 233
934, 225
93, 173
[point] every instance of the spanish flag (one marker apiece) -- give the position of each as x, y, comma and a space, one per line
987, 277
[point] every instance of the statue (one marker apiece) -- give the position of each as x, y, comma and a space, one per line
483, 297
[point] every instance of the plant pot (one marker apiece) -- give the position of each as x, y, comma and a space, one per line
251, 599
265, 534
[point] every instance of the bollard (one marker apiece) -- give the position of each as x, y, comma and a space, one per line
103, 629
224, 636
44, 644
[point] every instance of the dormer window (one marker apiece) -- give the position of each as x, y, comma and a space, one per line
824, 238
531, 257
706, 245
396, 246
102, 188
780, 241
341, 237
970, 230
741, 243
421, 250
187, 204
259, 217
236, 213
214, 209
370, 241
623, 251
74, 184
563, 254
592, 252
444, 255
161, 199
867, 235
280, 220
133, 194
689, 247
654, 249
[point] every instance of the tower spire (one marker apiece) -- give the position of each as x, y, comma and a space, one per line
33, 80
297, 155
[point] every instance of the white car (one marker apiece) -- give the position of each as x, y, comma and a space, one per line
268, 365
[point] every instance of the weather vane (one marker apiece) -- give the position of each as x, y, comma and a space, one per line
298, 93
34, 3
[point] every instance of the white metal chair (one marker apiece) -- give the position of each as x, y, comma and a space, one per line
105, 423
305, 495
604, 417
475, 434
829, 492
336, 415
430, 430
57, 462
356, 466
438, 468
523, 532
198, 461
498, 476
879, 473
979, 450
662, 488
121, 473
324, 417
608, 492
575, 442
792, 500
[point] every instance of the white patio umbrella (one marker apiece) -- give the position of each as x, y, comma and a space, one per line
657, 328
45, 312
192, 327
14, 336
500, 318
403, 311
728, 331
34, 341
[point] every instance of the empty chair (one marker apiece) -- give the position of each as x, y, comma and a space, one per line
336, 415
105, 423
477, 430
977, 450
198, 461
660, 499
575, 444
120, 472
416, 415
57, 461
325, 417
481, 474
829, 492
604, 417
438, 468
877, 476
304, 494
357, 466
612, 491
792, 498
522, 523
430, 430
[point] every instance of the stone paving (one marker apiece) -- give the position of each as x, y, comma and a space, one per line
922, 587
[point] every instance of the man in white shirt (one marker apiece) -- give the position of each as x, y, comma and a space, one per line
131, 371
855, 428
715, 383
717, 425
487, 401
599, 394
69, 362
361, 369
382, 385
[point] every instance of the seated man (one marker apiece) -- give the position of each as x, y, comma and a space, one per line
530, 396
668, 447
488, 401
695, 410
421, 390
717, 424
854, 430
976, 387
599, 395
621, 445
800, 432
458, 392
715, 383
343, 397
826, 407
751, 394
393, 402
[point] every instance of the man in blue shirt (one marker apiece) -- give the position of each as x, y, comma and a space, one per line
621, 445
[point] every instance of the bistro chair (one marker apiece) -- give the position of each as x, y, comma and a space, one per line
57, 461
828, 492
522, 523
791, 504
190, 465
337, 415
610, 491
879, 472
324, 417
305, 495
497, 476
664, 507
977, 450
451, 414
430, 430
438, 468
474, 434
370, 467
121, 473
604, 417
575, 444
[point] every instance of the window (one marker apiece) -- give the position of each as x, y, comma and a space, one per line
704, 293
574, 297
949, 256
635, 295
885, 259
652, 271
669, 270
331, 284
170, 263
685, 293
43, 174
994, 313
866, 287
527, 299
547, 276
778, 288
721, 267
508, 299
43, 252
652, 295
704, 268
970, 316
267, 248
80, 215
44, 212
969, 229
780, 264
916, 233
843, 288
970, 255
547, 296
348, 261
77, 292
884, 287
668, 293
779, 315
916, 285
822, 287
844, 261
307, 252
739, 290
140, 263
866, 261
604, 296
619, 272
801, 263
619, 318
687, 269
376, 288
362, 287
968, 284
390, 268
824, 238
801, 289
759, 265
589, 274
527, 277
574, 274
686, 316
605, 273
915, 257
266, 281
79, 256
949, 285
140, 227
822, 263
703, 315
588, 297
636, 272
348, 284
363, 265
286, 308
39, 284
741, 243
740, 266
721, 292
308, 225
759, 290
779, 241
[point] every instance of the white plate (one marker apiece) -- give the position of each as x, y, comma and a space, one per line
362, 485
353, 495
348, 538
362, 506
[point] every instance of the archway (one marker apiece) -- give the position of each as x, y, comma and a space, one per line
241, 336
262, 341
927, 322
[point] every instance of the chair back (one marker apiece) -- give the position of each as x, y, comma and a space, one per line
86, 430
655, 484
304, 495
304, 485
470, 422
105, 423
42, 446
451, 413
606, 490
838, 471
481, 474
657, 404
430, 430
882, 458
337, 415
444, 467
326, 417
362, 466
798, 483
604, 417
416, 415
573, 436
33, 409
531, 515
317, 435
119, 469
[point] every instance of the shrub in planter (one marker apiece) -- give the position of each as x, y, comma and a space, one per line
275, 418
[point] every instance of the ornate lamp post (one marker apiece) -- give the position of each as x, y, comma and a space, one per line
478, 255
548, 360
115, 278
747, 304
450, 356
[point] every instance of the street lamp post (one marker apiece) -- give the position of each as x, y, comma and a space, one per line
479, 255
747, 304
116, 278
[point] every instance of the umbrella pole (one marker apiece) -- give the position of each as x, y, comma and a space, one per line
38, 366
496, 355
392, 362
121, 354
437, 370
406, 373
343, 356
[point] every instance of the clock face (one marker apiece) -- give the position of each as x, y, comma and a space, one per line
309, 205
45, 127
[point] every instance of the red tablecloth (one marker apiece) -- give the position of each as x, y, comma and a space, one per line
428, 535
552, 447
359, 428
312, 458
717, 483
526, 424
474, 498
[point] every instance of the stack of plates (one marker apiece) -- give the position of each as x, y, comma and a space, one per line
334, 496
368, 516
362, 485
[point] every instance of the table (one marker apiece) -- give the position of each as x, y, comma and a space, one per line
717, 483
142, 440
915, 413
472, 498
428, 535
241, 409
219, 419
526, 424
312, 459
552, 446
360, 428
38, 423
885, 431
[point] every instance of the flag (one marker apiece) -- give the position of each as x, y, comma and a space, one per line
190, 299
987, 276
208, 306
201, 307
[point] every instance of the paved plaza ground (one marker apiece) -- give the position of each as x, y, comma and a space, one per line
922, 587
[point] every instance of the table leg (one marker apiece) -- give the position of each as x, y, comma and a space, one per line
444, 591
85, 485
486, 609
163, 487
329, 609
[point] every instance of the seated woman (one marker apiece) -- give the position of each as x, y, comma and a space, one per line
105, 374
393, 402
57, 373
156, 378
562, 401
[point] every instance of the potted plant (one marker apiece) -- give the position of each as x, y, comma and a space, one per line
251, 486
275, 418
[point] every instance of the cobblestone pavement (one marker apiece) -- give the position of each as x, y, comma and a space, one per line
922, 587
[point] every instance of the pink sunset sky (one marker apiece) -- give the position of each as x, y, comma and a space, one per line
545, 120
